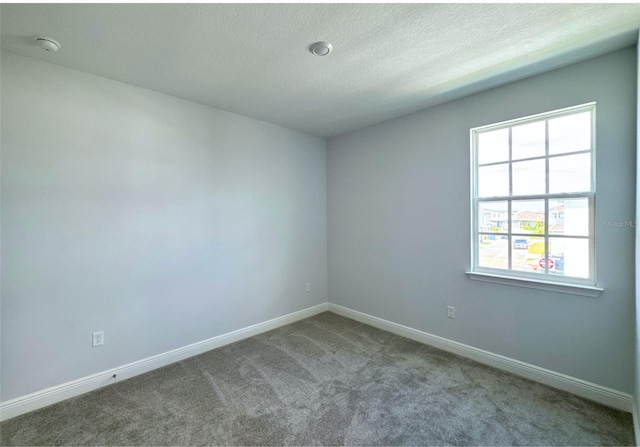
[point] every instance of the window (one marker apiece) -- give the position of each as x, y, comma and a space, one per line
533, 196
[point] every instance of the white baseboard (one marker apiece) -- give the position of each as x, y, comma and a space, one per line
579, 387
592, 391
40, 399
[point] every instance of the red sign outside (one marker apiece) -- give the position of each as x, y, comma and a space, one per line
543, 263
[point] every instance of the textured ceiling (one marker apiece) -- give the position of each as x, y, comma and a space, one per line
253, 59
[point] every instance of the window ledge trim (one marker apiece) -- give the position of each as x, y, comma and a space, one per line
572, 289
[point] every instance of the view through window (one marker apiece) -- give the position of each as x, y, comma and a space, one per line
533, 196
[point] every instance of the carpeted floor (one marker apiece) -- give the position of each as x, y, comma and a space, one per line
326, 380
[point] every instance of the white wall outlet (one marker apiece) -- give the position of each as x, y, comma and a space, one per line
98, 339
451, 312
308, 287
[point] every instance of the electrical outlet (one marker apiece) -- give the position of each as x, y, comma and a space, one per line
451, 312
308, 287
98, 339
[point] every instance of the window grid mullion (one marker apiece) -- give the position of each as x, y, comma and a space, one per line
576, 195
541, 157
546, 200
509, 220
564, 236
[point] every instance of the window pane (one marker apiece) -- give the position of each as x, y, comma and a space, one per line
528, 140
527, 216
493, 146
570, 257
526, 253
570, 133
493, 217
493, 180
571, 173
569, 217
528, 177
533, 206
492, 251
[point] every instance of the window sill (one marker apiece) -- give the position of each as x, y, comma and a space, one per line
572, 289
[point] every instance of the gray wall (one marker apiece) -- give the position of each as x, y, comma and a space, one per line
637, 258
160, 221
398, 201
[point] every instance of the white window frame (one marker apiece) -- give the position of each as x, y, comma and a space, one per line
546, 281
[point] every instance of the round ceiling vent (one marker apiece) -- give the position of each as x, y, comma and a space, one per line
321, 48
48, 44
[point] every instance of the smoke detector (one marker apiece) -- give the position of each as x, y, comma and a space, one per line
48, 44
321, 48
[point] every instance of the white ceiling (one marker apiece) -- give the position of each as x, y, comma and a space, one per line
253, 59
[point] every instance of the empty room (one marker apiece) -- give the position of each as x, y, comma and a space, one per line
319, 224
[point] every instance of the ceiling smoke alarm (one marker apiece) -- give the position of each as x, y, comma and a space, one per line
321, 48
48, 44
